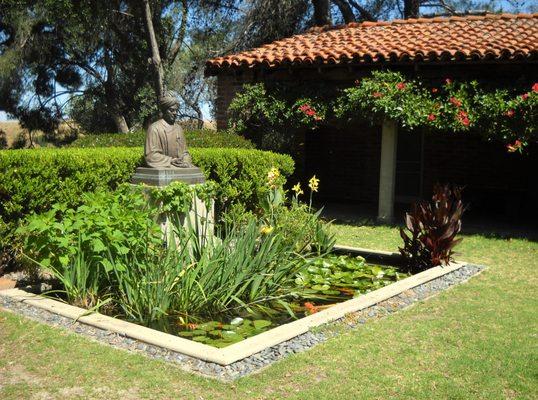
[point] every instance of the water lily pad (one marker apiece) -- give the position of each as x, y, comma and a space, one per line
261, 323
196, 332
230, 336
209, 326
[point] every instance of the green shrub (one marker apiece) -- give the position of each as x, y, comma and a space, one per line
31, 181
106, 222
195, 138
241, 174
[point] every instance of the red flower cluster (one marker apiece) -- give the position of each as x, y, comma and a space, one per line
455, 101
357, 82
514, 147
534, 88
400, 86
377, 95
510, 113
448, 81
463, 118
431, 117
435, 90
192, 326
305, 108
311, 308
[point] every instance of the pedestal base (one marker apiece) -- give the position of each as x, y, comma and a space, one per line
163, 176
200, 216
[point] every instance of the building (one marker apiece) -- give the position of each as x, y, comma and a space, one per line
384, 168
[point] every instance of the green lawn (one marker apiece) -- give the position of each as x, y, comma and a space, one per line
476, 341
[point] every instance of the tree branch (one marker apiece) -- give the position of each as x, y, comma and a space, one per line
322, 12
155, 59
441, 4
176, 45
345, 10
365, 14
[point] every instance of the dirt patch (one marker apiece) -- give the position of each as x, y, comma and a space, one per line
15, 374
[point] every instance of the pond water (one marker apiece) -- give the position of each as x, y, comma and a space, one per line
324, 283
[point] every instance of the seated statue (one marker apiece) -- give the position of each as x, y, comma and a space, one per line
166, 146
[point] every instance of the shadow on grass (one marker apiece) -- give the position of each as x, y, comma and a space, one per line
484, 228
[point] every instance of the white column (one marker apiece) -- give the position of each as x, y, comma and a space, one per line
387, 171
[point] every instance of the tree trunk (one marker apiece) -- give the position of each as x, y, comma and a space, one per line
411, 8
113, 100
121, 124
155, 55
322, 14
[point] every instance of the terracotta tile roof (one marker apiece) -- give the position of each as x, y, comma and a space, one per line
491, 36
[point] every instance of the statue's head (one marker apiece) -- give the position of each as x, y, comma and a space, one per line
169, 106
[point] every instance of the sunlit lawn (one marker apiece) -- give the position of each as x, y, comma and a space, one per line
476, 341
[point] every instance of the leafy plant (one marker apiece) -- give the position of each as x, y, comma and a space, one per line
241, 270
294, 219
106, 222
332, 276
83, 282
431, 228
266, 116
144, 283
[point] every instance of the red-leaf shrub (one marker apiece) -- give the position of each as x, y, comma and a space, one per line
431, 228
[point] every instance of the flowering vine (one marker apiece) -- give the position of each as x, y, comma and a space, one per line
506, 115
450, 106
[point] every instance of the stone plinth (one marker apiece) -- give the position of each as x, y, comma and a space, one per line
163, 176
200, 216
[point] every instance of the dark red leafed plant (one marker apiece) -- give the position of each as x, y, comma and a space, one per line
431, 228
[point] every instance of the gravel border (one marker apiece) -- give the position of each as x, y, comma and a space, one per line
264, 358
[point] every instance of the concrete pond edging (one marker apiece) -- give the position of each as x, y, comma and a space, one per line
253, 353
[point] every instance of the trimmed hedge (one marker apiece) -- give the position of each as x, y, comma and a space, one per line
201, 138
33, 180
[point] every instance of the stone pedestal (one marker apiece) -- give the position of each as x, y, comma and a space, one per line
161, 177
200, 216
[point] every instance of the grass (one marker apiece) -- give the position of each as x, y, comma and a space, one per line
478, 340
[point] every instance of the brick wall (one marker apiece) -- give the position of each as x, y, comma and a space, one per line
346, 159
496, 182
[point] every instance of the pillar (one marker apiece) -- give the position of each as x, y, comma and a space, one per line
387, 171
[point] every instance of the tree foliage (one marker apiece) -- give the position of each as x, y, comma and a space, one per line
90, 59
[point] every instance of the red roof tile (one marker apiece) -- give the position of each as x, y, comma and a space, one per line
492, 36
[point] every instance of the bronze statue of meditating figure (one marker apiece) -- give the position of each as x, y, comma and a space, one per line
166, 146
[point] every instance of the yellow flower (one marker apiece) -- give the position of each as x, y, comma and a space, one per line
265, 230
297, 189
313, 183
272, 177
